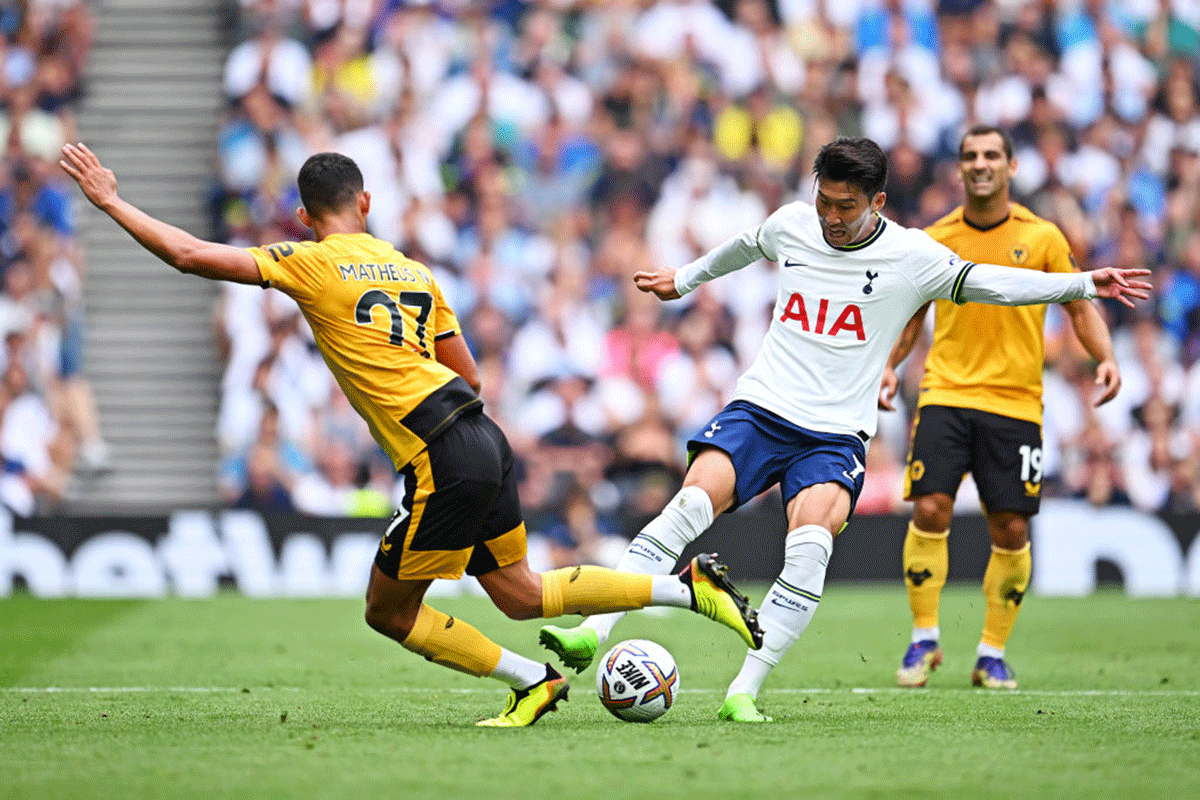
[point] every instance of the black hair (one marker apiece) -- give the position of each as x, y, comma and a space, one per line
859, 162
328, 182
984, 130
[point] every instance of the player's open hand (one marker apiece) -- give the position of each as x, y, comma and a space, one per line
661, 281
1108, 376
1119, 284
98, 183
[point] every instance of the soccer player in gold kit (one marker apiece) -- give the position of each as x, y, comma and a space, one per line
396, 350
980, 409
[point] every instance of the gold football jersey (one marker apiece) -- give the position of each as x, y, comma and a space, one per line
990, 357
376, 316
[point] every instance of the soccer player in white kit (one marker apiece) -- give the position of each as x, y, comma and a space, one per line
804, 411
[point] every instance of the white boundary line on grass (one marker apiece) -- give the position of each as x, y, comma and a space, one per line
421, 690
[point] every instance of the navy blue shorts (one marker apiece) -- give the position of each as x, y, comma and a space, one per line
767, 449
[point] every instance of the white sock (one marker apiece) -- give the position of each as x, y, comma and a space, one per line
656, 550
517, 671
668, 590
987, 650
926, 634
789, 605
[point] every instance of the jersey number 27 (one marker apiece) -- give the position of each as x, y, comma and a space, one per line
420, 302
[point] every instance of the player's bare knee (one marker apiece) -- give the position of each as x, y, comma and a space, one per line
932, 512
519, 605
515, 590
387, 620
1009, 531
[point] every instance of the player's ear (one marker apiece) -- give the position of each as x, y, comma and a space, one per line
302, 215
364, 202
878, 200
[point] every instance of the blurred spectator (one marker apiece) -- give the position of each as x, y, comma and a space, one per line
696, 380
332, 489
638, 346
646, 470
538, 154
1179, 299
266, 484
31, 441
582, 535
1098, 478
271, 60
1153, 453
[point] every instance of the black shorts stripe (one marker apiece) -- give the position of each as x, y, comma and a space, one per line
444, 405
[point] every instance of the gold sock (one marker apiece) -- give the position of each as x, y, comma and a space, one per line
592, 590
452, 643
1004, 585
926, 562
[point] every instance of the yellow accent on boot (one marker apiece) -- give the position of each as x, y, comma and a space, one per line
526, 706
714, 596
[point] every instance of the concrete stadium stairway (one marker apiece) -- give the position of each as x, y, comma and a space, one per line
151, 113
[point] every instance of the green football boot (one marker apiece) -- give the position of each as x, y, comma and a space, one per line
741, 708
575, 647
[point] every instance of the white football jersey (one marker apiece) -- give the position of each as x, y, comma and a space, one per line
837, 315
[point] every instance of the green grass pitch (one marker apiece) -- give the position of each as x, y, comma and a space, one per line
243, 698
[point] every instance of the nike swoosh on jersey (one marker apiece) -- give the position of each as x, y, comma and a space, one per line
790, 263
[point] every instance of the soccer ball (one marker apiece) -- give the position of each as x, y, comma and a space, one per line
637, 680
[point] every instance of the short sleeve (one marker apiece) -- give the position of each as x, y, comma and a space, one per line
447, 320
288, 267
1058, 251
937, 270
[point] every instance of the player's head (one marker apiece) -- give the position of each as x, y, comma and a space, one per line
329, 184
986, 162
850, 178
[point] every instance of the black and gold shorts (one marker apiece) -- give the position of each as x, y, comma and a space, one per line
1003, 454
460, 511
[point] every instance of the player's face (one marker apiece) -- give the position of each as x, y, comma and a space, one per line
984, 166
847, 215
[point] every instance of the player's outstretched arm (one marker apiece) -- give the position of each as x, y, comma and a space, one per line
1009, 286
733, 254
173, 245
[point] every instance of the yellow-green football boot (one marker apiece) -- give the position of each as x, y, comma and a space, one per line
526, 706
715, 596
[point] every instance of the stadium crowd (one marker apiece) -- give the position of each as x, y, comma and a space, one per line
48, 422
537, 154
